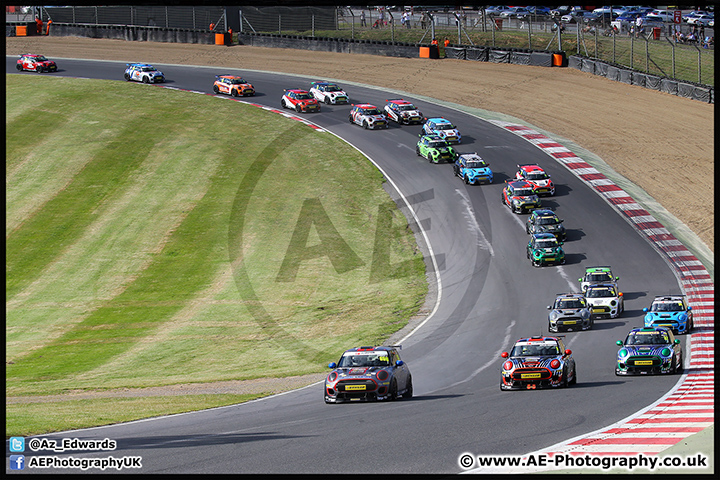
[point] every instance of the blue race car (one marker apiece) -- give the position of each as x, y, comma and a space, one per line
368, 373
671, 311
538, 362
472, 169
442, 128
649, 350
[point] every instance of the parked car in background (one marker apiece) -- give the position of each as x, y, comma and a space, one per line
514, 12
703, 20
664, 15
693, 14
496, 9
579, 16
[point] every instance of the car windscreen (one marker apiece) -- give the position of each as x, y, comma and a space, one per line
547, 220
599, 277
371, 111
667, 307
476, 164
523, 192
406, 108
600, 292
550, 243
526, 350
365, 359
536, 176
644, 338
573, 303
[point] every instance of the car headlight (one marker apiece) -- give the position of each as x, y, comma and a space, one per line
665, 352
622, 353
555, 364
507, 365
382, 375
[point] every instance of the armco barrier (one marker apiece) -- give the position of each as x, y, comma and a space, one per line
134, 33
702, 93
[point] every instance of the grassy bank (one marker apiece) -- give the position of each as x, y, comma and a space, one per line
158, 237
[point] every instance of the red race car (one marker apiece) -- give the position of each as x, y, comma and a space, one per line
35, 63
300, 100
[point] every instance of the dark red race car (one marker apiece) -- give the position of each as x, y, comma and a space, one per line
35, 63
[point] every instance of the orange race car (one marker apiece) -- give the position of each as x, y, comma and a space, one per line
233, 85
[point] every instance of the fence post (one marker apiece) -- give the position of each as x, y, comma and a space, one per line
279, 24
699, 62
672, 45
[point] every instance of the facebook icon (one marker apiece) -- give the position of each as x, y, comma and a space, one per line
17, 462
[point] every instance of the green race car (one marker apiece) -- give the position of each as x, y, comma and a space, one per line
435, 149
544, 249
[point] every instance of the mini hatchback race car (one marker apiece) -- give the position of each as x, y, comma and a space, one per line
233, 85
544, 220
142, 72
542, 185
299, 100
403, 112
605, 300
570, 311
519, 196
647, 351
435, 149
538, 362
671, 311
598, 274
367, 116
545, 249
442, 128
328, 93
473, 169
35, 63
368, 373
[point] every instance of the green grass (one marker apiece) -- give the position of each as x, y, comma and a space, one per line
157, 237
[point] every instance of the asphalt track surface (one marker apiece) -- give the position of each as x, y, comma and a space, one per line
490, 295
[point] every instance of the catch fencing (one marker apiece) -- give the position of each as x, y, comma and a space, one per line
651, 52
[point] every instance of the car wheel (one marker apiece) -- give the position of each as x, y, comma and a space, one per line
38, 69
298, 109
565, 379
365, 124
393, 393
417, 151
327, 100
146, 79
409, 389
466, 180
127, 77
282, 102
19, 67
574, 380
350, 119
234, 92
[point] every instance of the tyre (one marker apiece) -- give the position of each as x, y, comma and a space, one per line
466, 180
327, 100
417, 151
409, 390
127, 77
365, 124
234, 92
39, 69
393, 393
19, 67
282, 102
574, 380
350, 119
146, 79
216, 90
298, 109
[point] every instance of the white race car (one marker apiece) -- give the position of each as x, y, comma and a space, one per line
605, 300
367, 116
329, 93
141, 72
401, 111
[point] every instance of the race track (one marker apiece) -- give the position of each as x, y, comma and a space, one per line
490, 295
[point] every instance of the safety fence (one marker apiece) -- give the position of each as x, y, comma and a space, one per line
653, 52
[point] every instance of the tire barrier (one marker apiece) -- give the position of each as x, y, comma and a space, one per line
694, 91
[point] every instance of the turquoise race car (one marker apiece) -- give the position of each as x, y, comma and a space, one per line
545, 249
472, 169
649, 350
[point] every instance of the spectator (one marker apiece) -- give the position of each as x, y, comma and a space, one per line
446, 43
434, 41
706, 42
212, 26
39, 25
363, 23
